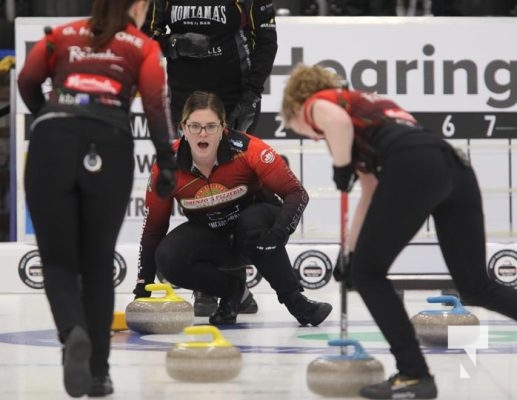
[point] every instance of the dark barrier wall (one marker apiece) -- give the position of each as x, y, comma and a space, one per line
60, 8
472, 7
6, 35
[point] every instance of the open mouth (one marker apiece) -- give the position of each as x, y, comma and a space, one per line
202, 145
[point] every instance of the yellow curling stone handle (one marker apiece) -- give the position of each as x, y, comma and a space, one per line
217, 338
169, 294
119, 321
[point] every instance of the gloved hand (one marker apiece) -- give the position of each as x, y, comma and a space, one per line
165, 183
139, 290
167, 175
264, 241
244, 112
344, 177
342, 270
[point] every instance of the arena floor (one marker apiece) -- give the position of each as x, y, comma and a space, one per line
275, 351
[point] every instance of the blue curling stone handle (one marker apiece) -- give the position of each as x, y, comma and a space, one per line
457, 307
359, 354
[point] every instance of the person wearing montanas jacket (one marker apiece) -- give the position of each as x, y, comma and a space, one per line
222, 46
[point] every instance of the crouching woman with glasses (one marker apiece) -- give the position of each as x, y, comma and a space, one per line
221, 179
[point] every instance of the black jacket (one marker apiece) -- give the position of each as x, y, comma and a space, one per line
220, 46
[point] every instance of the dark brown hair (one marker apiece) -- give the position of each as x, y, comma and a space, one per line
200, 100
108, 18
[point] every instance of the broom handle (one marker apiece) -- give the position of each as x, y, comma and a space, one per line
343, 217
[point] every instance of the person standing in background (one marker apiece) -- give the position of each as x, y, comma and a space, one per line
223, 46
226, 47
79, 170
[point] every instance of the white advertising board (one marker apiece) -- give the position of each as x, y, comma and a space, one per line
22, 269
456, 75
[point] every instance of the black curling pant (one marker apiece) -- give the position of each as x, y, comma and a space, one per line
196, 257
77, 216
417, 182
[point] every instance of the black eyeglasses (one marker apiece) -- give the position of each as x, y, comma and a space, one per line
210, 129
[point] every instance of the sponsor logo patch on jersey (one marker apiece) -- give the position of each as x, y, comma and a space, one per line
267, 156
77, 54
213, 195
81, 99
92, 83
237, 143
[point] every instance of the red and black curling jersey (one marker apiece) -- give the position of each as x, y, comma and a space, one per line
246, 165
99, 85
241, 50
378, 123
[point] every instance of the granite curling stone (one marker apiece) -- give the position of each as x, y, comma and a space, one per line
346, 374
431, 326
197, 361
159, 315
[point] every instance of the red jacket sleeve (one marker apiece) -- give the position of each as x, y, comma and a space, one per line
152, 85
156, 225
276, 175
35, 71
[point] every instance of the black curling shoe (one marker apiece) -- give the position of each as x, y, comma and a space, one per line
204, 304
400, 386
101, 386
229, 307
76, 362
307, 311
249, 307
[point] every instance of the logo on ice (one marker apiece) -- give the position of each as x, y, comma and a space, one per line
468, 338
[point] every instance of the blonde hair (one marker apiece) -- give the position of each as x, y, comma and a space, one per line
303, 82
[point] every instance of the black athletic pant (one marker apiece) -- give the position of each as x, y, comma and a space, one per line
77, 216
417, 182
197, 257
